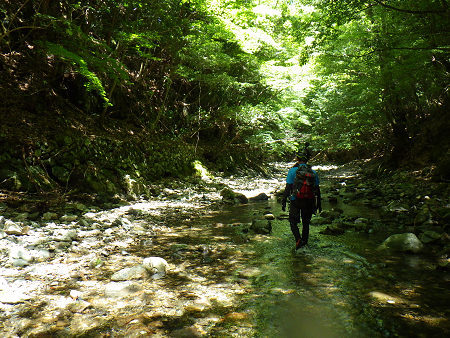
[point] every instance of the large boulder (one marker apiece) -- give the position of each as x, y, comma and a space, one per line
406, 242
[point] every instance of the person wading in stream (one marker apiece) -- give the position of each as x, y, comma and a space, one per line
303, 191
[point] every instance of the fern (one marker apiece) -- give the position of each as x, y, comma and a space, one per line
93, 81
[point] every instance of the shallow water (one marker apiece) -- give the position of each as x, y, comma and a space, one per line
338, 286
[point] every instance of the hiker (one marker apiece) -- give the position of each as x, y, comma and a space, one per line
302, 189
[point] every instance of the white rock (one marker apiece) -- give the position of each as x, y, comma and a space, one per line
20, 263
12, 296
18, 252
12, 228
157, 266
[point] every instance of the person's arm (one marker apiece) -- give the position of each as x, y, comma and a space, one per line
289, 186
286, 194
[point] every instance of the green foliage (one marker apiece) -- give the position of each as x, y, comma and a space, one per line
93, 81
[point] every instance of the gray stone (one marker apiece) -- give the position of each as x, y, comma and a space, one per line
406, 242
20, 263
18, 252
48, 216
135, 272
156, 266
261, 226
12, 228
261, 197
68, 218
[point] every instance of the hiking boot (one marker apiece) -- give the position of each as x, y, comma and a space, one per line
302, 244
298, 244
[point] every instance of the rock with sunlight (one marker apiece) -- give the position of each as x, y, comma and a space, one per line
156, 266
135, 272
407, 242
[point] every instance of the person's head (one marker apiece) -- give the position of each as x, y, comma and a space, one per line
301, 157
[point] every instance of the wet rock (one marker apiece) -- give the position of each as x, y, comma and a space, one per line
269, 217
235, 317
331, 214
333, 229
260, 197
135, 272
261, 226
156, 266
406, 242
231, 197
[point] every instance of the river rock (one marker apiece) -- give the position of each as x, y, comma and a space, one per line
12, 228
156, 266
261, 197
135, 272
269, 217
407, 242
68, 218
229, 196
333, 229
10, 296
65, 235
260, 226
331, 214
48, 216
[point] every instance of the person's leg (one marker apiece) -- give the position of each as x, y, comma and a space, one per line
294, 219
306, 207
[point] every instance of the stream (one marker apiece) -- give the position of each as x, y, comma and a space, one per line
222, 280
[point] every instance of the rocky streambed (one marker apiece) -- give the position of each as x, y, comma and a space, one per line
214, 257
